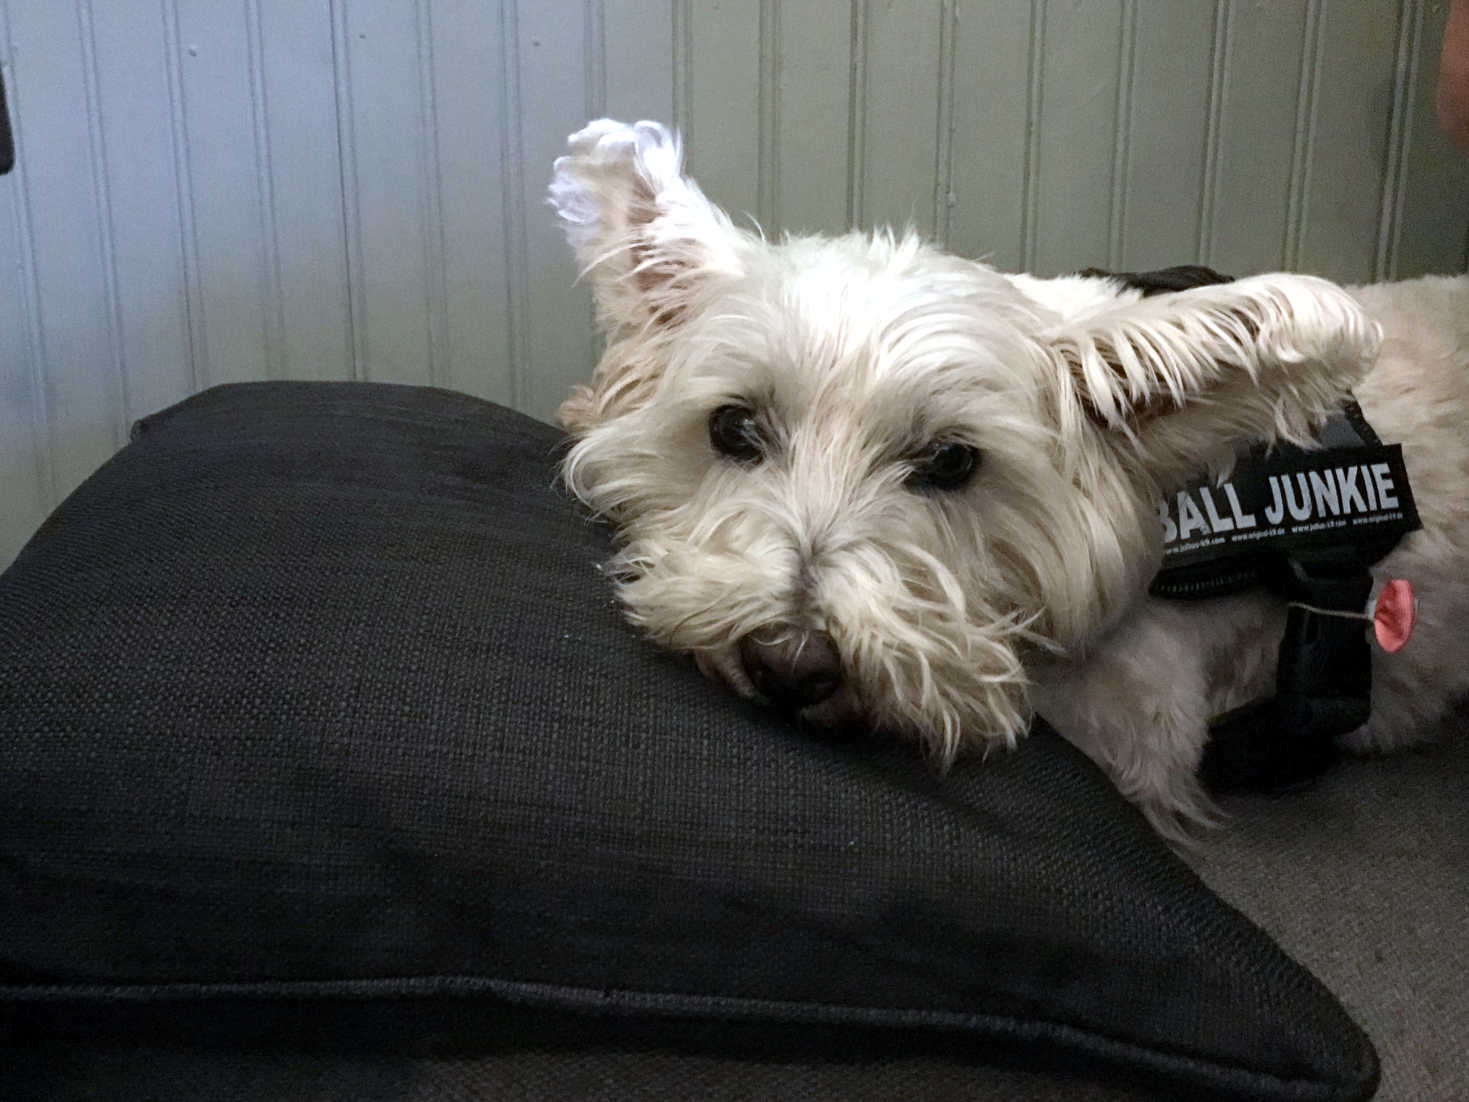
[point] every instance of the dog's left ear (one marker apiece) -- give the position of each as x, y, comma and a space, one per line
1178, 379
643, 232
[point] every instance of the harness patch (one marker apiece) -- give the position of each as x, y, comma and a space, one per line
1289, 500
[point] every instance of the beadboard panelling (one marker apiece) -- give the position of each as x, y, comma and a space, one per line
469, 106
1256, 135
809, 48
896, 170
724, 102
61, 187
300, 177
211, 190
151, 328
1076, 152
1352, 97
635, 53
25, 474
224, 162
994, 96
555, 67
397, 273
1163, 149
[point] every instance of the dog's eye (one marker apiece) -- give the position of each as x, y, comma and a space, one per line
734, 433
946, 465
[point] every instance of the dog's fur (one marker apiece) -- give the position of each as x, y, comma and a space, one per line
953, 612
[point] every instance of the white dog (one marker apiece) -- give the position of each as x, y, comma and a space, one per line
869, 482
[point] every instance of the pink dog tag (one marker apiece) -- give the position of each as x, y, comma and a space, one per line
1392, 617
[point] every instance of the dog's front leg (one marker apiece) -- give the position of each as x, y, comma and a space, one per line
1140, 704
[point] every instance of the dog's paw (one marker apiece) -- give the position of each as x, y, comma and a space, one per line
1182, 818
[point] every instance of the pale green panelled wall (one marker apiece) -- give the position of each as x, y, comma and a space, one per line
216, 190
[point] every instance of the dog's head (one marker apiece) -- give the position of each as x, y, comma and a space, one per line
865, 480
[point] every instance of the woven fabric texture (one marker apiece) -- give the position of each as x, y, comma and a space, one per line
314, 703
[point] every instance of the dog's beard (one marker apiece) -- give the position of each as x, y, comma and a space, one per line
919, 658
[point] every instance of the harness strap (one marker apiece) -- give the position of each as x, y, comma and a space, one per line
1323, 682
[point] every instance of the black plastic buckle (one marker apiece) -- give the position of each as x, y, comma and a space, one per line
1323, 683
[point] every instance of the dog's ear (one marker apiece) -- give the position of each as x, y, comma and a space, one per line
644, 234
1177, 379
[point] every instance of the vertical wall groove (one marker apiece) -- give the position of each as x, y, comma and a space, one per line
199, 326
1122, 132
682, 65
859, 26
594, 60
347, 179
1298, 195
435, 271
42, 425
768, 173
512, 156
943, 187
102, 201
192, 291
1394, 175
273, 315
1214, 127
594, 99
1030, 174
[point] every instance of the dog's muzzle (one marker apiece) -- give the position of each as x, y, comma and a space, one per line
791, 667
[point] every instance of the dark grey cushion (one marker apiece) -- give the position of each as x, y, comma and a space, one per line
318, 724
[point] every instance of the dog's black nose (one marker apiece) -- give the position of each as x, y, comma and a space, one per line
792, 667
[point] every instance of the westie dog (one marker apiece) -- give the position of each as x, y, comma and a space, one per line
864, 481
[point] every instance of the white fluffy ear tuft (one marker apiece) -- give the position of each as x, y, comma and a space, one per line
1182, 377
643, 232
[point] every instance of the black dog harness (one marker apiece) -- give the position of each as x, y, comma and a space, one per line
1307, 526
